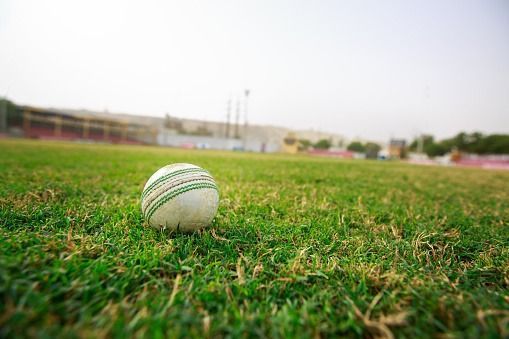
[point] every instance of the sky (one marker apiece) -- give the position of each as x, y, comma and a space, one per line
362, 69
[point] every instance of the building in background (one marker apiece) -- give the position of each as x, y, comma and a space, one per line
54, 124
290, 143
96, 126
396, 148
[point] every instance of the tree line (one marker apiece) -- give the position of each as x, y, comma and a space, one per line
476, 143
371, 149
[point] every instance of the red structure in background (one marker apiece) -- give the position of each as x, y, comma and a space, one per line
484, 161
49, 134
334, 154
50, 125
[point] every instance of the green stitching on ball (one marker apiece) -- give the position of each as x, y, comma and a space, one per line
149, 198
162, 179
153, 185
171, 195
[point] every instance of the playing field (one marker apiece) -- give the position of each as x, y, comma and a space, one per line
301, 247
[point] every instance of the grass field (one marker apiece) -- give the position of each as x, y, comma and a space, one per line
301, 247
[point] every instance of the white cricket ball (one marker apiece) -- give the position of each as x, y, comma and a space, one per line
180, 197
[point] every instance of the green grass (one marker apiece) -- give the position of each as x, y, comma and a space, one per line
301, 247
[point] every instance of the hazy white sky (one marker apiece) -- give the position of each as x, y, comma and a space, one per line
372, 69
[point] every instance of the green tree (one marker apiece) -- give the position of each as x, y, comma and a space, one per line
356, 146
478, 143
436, 149
494, 144
425, 139
372, 150
304, 144
471, 143
323, 144
9, 113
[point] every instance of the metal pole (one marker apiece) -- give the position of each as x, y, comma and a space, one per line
237, 118
244, 139
228, 114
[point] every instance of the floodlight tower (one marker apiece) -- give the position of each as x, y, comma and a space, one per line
244, 136
420, 143
228, 114
237, 117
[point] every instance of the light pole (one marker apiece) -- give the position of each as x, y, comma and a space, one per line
237, 117
246, 97
228, 113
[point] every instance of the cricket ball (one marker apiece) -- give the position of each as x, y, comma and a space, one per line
181, 197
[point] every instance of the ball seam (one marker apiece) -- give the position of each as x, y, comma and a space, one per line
172, 186
173, 194
163, 178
